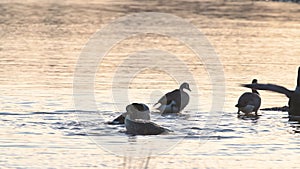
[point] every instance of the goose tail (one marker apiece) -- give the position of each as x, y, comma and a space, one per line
155, 104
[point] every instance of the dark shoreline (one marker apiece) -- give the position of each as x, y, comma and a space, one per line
295, 1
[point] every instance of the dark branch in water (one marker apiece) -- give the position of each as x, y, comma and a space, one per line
284, 108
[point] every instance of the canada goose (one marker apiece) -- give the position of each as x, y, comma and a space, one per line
137, 121
136, 111
294, 96
249, 101
175, 101
141, 112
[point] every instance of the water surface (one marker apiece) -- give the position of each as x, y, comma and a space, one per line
41, 42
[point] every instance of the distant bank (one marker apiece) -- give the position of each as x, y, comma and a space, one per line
297, 1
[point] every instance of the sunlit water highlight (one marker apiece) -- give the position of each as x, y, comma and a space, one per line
41, 128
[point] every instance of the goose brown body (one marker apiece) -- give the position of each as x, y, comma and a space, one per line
249, 101
174, 101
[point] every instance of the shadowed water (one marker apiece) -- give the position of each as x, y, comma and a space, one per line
41, 42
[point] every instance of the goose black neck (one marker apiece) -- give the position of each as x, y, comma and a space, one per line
255, 91
298, 78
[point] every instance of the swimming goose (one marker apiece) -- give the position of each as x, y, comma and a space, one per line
143, 114
137, 121
175, 101
249, 101
294, 96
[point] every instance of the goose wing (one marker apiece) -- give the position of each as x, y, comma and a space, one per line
167, 98
270, 87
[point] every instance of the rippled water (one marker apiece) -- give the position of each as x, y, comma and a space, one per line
40, 126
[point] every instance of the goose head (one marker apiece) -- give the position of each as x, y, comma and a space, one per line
137, 111
254, 81
185, 86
